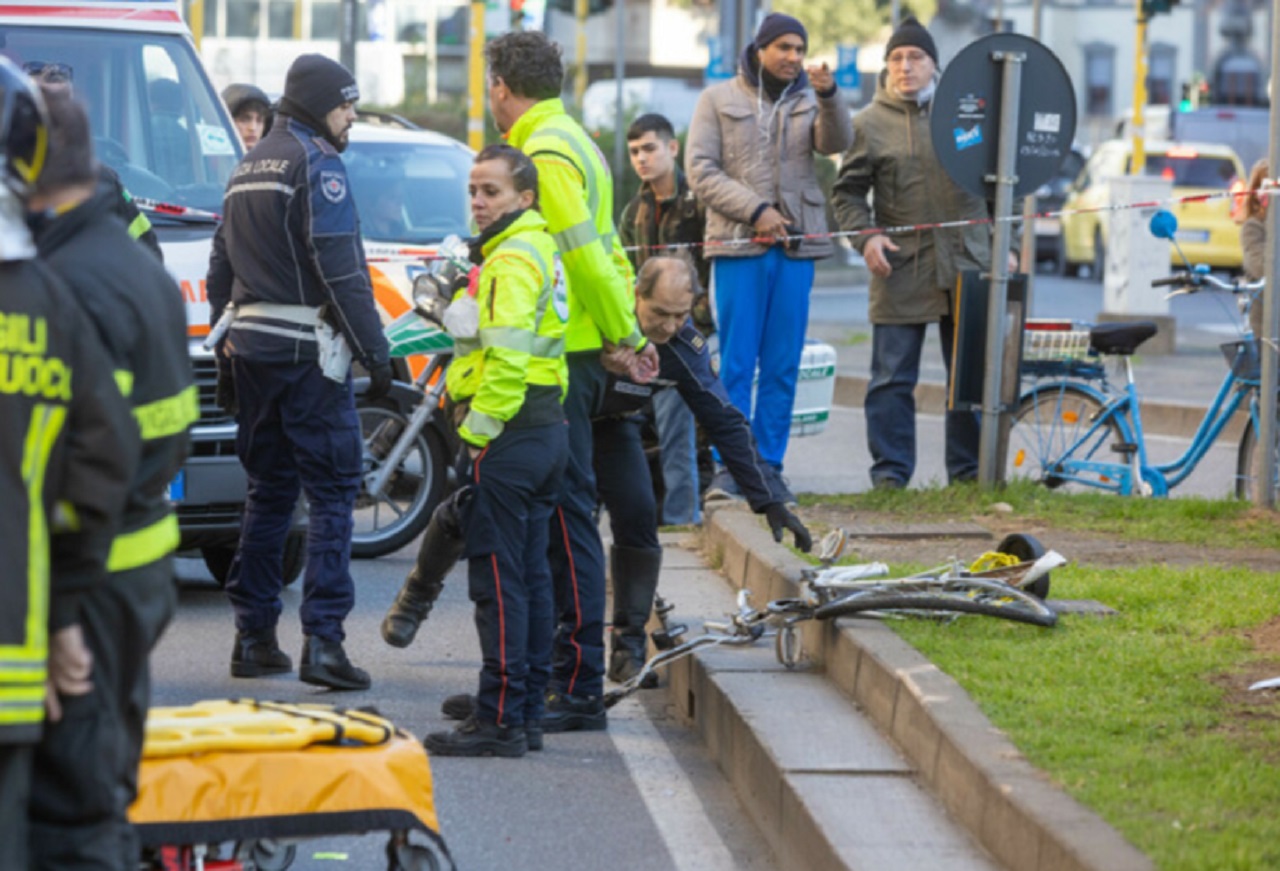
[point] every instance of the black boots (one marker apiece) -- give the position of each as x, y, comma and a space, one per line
475, 738
441, 547
634, 572
257, 654
325, 663
574, 714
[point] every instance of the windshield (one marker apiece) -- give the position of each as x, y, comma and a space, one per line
155, 117
1192, 171
412, 193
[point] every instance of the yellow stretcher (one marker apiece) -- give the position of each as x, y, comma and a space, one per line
263, 775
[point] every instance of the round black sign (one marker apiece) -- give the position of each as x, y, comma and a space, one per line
965, 120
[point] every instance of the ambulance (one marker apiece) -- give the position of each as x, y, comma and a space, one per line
158, 121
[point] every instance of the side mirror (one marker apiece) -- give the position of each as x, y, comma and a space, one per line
1164, 225
431, 297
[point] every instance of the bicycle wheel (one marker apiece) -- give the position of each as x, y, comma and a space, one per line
1247, 461
1053, 424
1015, 605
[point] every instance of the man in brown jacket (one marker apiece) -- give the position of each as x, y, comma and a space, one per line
750, 161
913, 275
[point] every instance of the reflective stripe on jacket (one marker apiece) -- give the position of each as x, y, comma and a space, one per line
524, 309
69, 450
575, 195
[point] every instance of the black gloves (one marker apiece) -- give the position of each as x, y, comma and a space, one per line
379, 382
224, 394
780, 520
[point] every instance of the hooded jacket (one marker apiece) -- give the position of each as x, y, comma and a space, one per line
746, 152
893, 160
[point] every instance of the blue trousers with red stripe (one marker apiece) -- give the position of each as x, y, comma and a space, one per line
517, 481
576, 553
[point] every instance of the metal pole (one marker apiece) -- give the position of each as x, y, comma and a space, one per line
347, 36
1029, 209
1265, 492
580, 12
475, 78
1139, 162
620, 110
990, 460
433, 54
895, 14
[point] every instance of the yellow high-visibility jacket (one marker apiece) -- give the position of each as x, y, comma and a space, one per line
524, 309
575, 195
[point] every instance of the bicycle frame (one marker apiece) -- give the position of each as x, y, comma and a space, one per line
1138, 476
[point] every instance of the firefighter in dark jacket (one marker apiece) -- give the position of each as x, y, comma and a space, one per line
55, 77
288, 256
68, 451
80, 799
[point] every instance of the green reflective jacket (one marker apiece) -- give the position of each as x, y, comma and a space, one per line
524, 309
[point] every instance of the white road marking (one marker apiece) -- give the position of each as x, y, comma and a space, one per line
691, 839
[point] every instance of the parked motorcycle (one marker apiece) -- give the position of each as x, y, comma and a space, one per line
408, 441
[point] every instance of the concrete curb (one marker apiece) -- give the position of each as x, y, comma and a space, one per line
1165, 418
1010, 808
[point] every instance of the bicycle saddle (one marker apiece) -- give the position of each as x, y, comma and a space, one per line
1122, 338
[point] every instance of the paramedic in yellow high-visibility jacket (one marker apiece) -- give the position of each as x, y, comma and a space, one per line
575, 196
507, 381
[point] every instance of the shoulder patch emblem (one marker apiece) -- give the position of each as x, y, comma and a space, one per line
698, 341
333, 185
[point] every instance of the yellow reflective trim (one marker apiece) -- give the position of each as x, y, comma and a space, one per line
26, 714
169, 416
124, 381
577, 236
42, 434
139, 226
29, 172
146, 545
480, 424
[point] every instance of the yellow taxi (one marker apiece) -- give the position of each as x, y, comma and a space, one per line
1206, 232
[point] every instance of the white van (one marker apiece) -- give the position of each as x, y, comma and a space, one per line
158, 121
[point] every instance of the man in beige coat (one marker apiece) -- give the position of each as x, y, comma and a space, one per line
750, 161
913, 274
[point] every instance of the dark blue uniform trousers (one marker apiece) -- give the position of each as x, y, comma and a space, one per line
575, 551
625, 482
517, 482
297, 431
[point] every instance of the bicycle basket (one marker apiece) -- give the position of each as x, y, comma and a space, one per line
1242, 357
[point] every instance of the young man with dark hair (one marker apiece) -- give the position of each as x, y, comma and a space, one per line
575, 195
250, 111
79, 819
665, 212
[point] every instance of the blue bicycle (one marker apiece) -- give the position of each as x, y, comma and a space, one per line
1072, 430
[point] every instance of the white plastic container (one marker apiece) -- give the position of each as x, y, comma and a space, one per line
815, 389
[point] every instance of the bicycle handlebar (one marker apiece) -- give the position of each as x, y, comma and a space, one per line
1190, 282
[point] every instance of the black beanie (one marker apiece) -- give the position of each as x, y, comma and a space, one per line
776, 24
319, 85
911, 32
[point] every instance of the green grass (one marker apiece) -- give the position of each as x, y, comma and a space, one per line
1194, 521
1139, 716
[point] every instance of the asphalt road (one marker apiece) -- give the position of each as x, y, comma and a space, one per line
642, 795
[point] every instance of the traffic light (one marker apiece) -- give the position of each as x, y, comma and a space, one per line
1157, 7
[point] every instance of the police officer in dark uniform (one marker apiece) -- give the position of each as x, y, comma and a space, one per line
665, 290
288, 256
80, 799
68, 439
